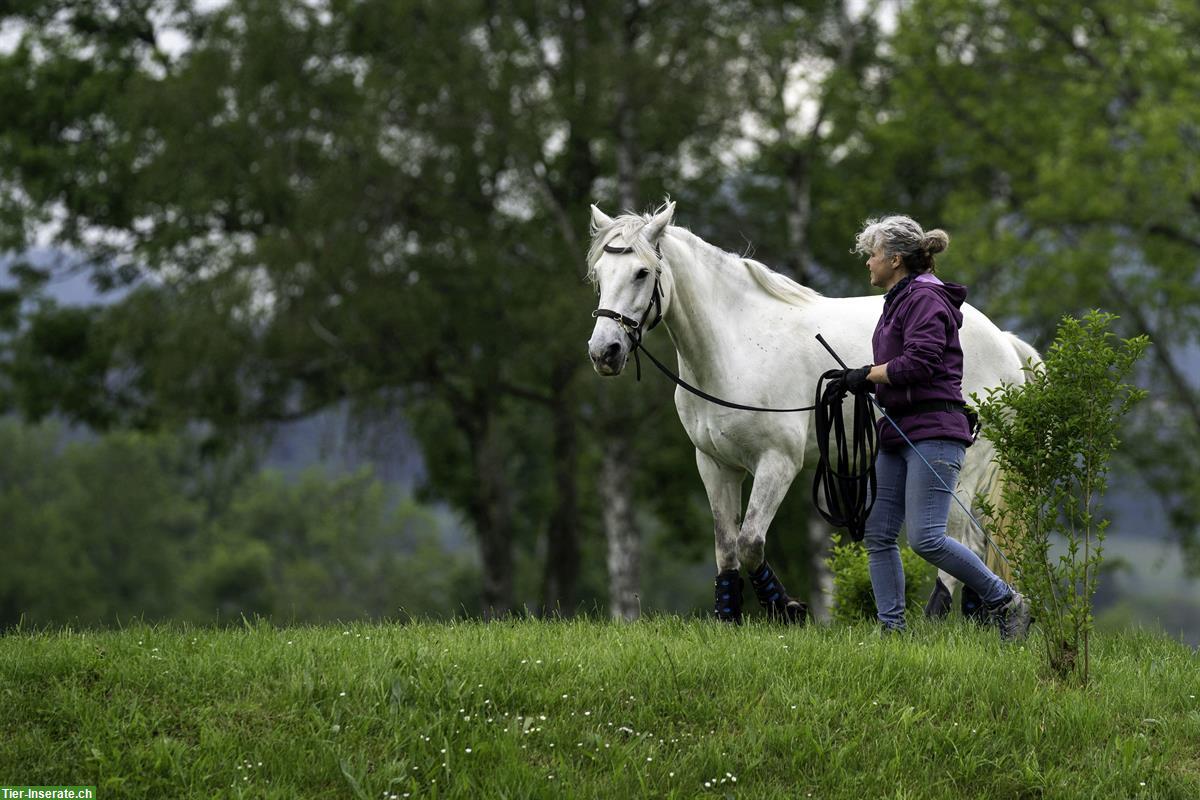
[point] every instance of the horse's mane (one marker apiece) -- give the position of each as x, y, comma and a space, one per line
781, 286
628, 228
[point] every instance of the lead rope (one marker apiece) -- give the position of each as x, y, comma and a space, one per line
848, 483
845, 484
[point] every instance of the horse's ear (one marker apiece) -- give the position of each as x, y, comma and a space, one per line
600, 219
662, 219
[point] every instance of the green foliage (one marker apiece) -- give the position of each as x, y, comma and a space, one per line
1060, 142
579, 709
385, 204
125, 525
381, 203
1054, 436
853, 596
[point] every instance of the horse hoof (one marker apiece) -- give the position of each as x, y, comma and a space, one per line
787, 611
939, 602
794, 613
973, 607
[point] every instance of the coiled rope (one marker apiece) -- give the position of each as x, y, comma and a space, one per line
846, 481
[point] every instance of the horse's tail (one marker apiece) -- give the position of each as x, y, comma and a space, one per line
1027, 354
994, 494
994, 486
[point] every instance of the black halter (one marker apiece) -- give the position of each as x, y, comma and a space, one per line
634, 328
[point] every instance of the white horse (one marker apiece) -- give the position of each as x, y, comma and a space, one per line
747, 334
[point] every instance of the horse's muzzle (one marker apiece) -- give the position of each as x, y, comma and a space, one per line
609, 360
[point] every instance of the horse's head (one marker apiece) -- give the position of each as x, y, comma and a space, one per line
625, 265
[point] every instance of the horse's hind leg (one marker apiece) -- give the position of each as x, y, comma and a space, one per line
940, 600
772, 479
724, 487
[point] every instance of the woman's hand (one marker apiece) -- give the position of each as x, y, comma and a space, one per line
878, 374
855, 380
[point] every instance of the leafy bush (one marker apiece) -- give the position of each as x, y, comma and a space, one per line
122, 525
1054, 435
853, 597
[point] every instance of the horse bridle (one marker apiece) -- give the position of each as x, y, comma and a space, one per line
634, 328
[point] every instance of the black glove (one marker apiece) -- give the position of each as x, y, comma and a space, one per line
855, 380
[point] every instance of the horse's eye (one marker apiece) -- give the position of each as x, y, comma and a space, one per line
641, 274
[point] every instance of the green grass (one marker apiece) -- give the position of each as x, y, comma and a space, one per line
665, 707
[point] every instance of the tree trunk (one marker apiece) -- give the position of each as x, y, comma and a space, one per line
491, 511
820, 597
626, 133
616, 473
620, 529
561, 576
799, 215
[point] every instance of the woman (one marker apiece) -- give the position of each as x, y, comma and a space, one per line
917, 377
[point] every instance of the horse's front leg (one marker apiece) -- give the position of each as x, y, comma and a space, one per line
724, 487
772, 479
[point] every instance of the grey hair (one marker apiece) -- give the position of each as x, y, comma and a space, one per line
902, 236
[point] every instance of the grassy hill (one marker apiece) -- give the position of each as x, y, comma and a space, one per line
662, 708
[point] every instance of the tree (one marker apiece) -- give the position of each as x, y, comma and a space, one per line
1064, 137
313, 215
1055, 434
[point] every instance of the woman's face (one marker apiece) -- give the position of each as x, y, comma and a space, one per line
885, 271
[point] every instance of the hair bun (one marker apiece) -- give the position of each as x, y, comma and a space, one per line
935, 241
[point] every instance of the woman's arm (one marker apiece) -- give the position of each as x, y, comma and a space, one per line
927, 328
878, 374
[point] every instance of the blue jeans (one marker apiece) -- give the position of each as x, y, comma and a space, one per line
908, 492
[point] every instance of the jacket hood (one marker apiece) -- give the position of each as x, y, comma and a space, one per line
955, 294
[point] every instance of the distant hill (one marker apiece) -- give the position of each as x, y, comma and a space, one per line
327, 439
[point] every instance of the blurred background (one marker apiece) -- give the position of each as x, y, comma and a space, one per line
292, 307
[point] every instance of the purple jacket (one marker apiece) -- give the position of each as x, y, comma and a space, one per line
917, 336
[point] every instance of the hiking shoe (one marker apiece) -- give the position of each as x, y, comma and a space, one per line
1014, 618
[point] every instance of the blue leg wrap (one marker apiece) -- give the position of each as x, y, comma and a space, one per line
774, 598
728, 606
